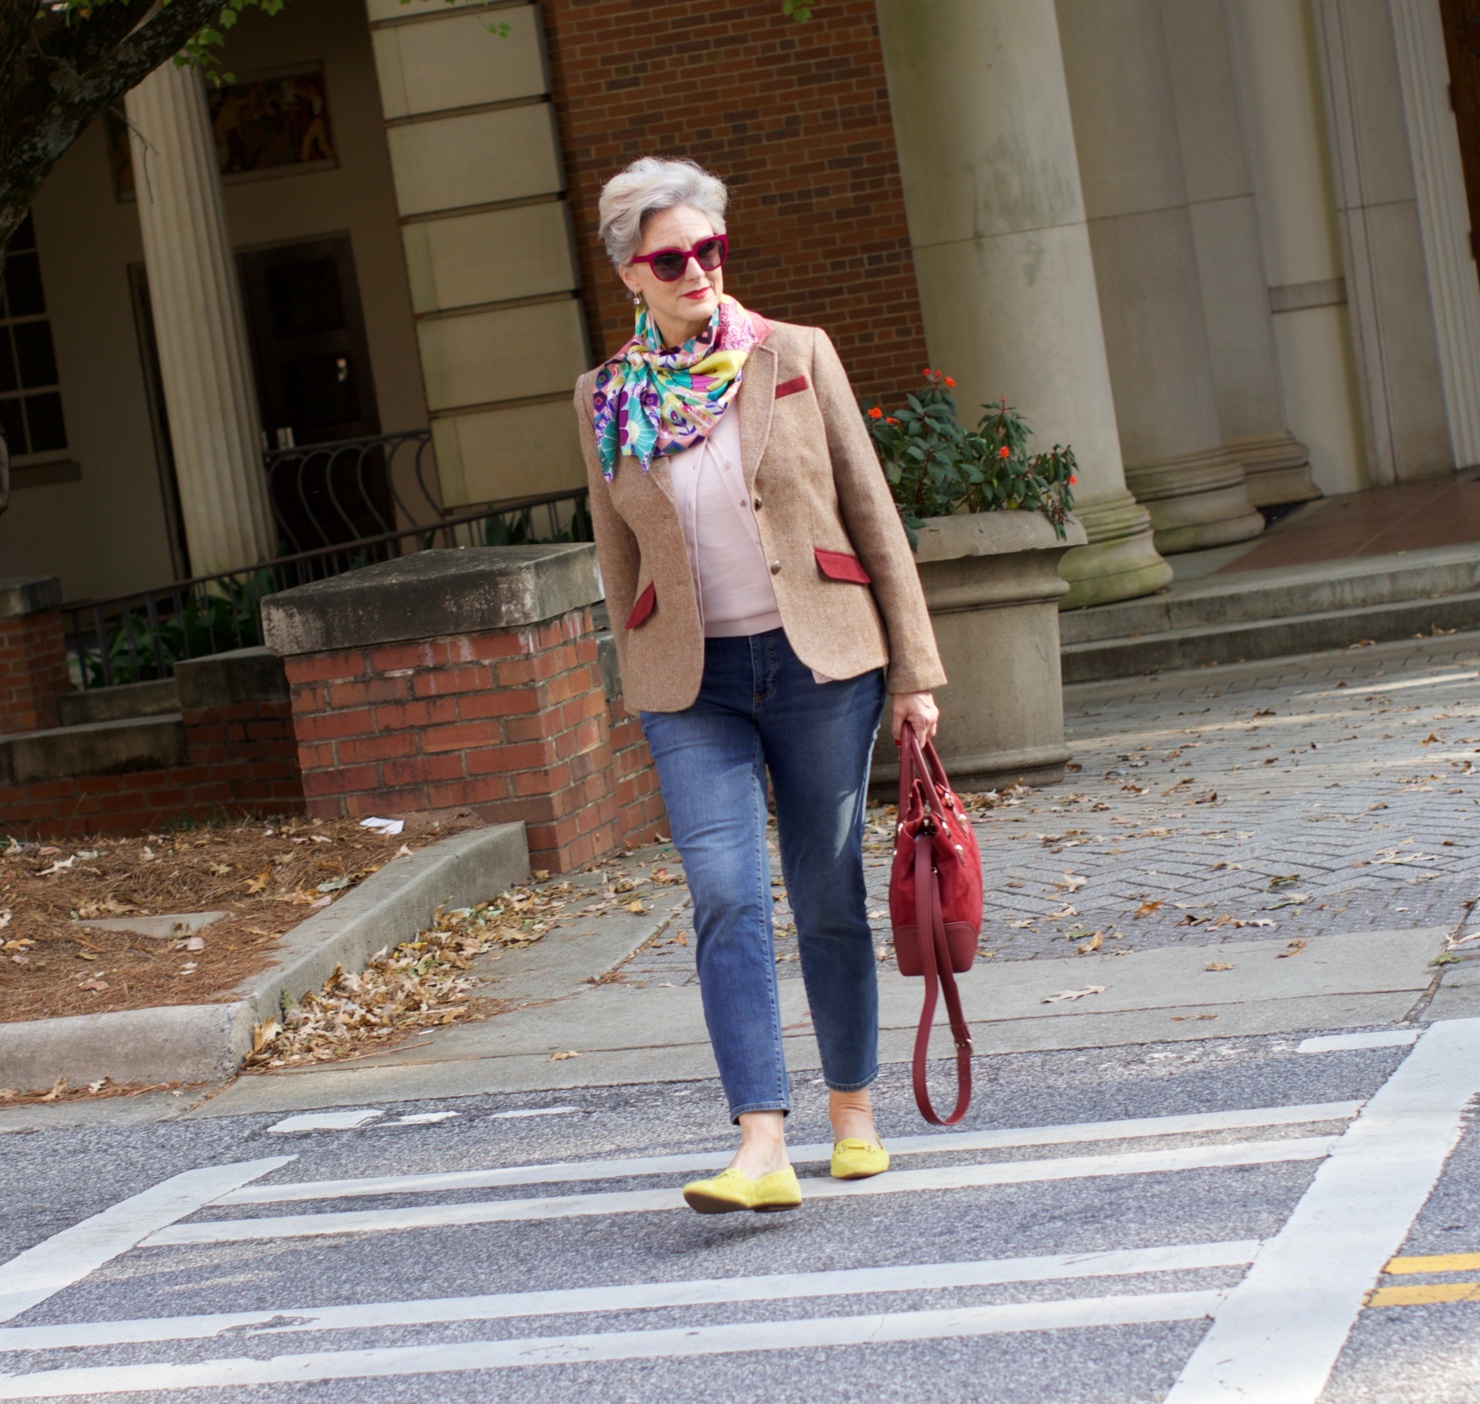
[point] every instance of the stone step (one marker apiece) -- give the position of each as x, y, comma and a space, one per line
1325, 587
121, 703
1204, 645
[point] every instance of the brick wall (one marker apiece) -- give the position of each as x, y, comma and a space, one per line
512, 723
794, 117
33, 671
237, 757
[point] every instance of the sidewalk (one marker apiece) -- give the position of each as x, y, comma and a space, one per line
1303, 822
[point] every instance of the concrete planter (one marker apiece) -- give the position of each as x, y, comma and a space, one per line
993, 588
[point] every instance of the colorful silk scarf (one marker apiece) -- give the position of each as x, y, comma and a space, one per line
650, 399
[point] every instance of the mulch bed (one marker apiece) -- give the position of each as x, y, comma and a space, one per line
267, 875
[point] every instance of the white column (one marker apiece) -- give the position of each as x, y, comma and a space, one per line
1443, 217
1225, 235
1140, 231
1399, 366
1007, 285
1284, 129
199, 324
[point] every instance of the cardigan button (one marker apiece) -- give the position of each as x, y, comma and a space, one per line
775, 567
756, 504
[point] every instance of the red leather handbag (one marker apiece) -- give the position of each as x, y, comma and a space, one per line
935, 906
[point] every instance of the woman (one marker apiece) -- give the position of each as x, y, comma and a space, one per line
759, 582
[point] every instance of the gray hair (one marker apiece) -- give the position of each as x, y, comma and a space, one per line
651, 184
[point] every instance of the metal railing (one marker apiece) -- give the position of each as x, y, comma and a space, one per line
349, 489
141, 636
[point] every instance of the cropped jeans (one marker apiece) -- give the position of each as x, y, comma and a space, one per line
760, 708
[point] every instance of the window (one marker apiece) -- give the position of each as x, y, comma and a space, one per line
30, 399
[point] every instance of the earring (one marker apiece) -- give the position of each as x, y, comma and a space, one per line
637, 299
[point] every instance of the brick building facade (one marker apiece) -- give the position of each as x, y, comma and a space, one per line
795, 119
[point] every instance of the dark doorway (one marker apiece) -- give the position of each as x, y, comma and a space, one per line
1462, 45
314, 390
315, 387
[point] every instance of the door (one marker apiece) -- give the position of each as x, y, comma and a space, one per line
1462, 45
314, 387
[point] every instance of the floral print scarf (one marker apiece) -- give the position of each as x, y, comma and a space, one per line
652, 399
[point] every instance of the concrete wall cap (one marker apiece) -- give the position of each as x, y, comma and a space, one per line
21, 595
993, 534
242, 675
98, 748
433, 594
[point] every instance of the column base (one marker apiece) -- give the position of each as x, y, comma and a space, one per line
1196, 500
1121, 560
1276, 468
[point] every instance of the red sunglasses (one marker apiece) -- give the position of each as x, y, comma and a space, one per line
668, 265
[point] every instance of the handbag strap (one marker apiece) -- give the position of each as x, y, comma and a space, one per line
935, 962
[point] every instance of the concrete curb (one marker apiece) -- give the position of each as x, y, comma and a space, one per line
207, 1042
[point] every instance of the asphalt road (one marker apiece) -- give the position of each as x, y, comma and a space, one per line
1067, 1257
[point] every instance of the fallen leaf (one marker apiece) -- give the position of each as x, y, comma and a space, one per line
219, 869
404, 851
680, 939
636, 908
561, 1057
1072, 882
1182, 1018
93, 985
543, 875
1146, 908
260, 882
195, 943
57, 1089
1063, 914
1217, 965
1073, 994
1093, 944
1292, 948
333, 885
1430, 739
58, 867
1282, 879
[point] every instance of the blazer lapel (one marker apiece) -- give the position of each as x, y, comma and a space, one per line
754, 402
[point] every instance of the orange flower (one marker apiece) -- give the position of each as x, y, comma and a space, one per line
950, 384
1072, 478
875, 413
891, 420
1004, 452
927, 371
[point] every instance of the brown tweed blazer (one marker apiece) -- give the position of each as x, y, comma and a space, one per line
845, 579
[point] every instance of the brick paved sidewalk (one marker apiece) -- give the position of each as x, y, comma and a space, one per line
1293, 797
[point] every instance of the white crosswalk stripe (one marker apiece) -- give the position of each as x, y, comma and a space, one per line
856, 1305
638, 1296
566, 1206
606, 1346
1079, 1133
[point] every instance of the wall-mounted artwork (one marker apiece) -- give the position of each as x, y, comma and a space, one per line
275, 124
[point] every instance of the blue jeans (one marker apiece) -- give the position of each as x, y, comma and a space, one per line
759, 707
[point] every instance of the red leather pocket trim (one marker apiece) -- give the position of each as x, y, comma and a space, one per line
839, 565
794, 386
646, 603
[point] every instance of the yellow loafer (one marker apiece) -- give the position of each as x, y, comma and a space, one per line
857, 1160
731, 1190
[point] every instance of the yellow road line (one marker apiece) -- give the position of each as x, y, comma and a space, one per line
1425, 1295
1438, 1262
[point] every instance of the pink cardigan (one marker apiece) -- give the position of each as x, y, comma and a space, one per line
724, 540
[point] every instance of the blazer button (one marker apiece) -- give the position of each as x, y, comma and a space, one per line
775, 567
756, 504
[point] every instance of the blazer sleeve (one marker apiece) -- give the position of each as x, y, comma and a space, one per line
616, 547
874, 527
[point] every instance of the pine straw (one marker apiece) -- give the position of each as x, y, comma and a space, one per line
422, 984
267, 876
